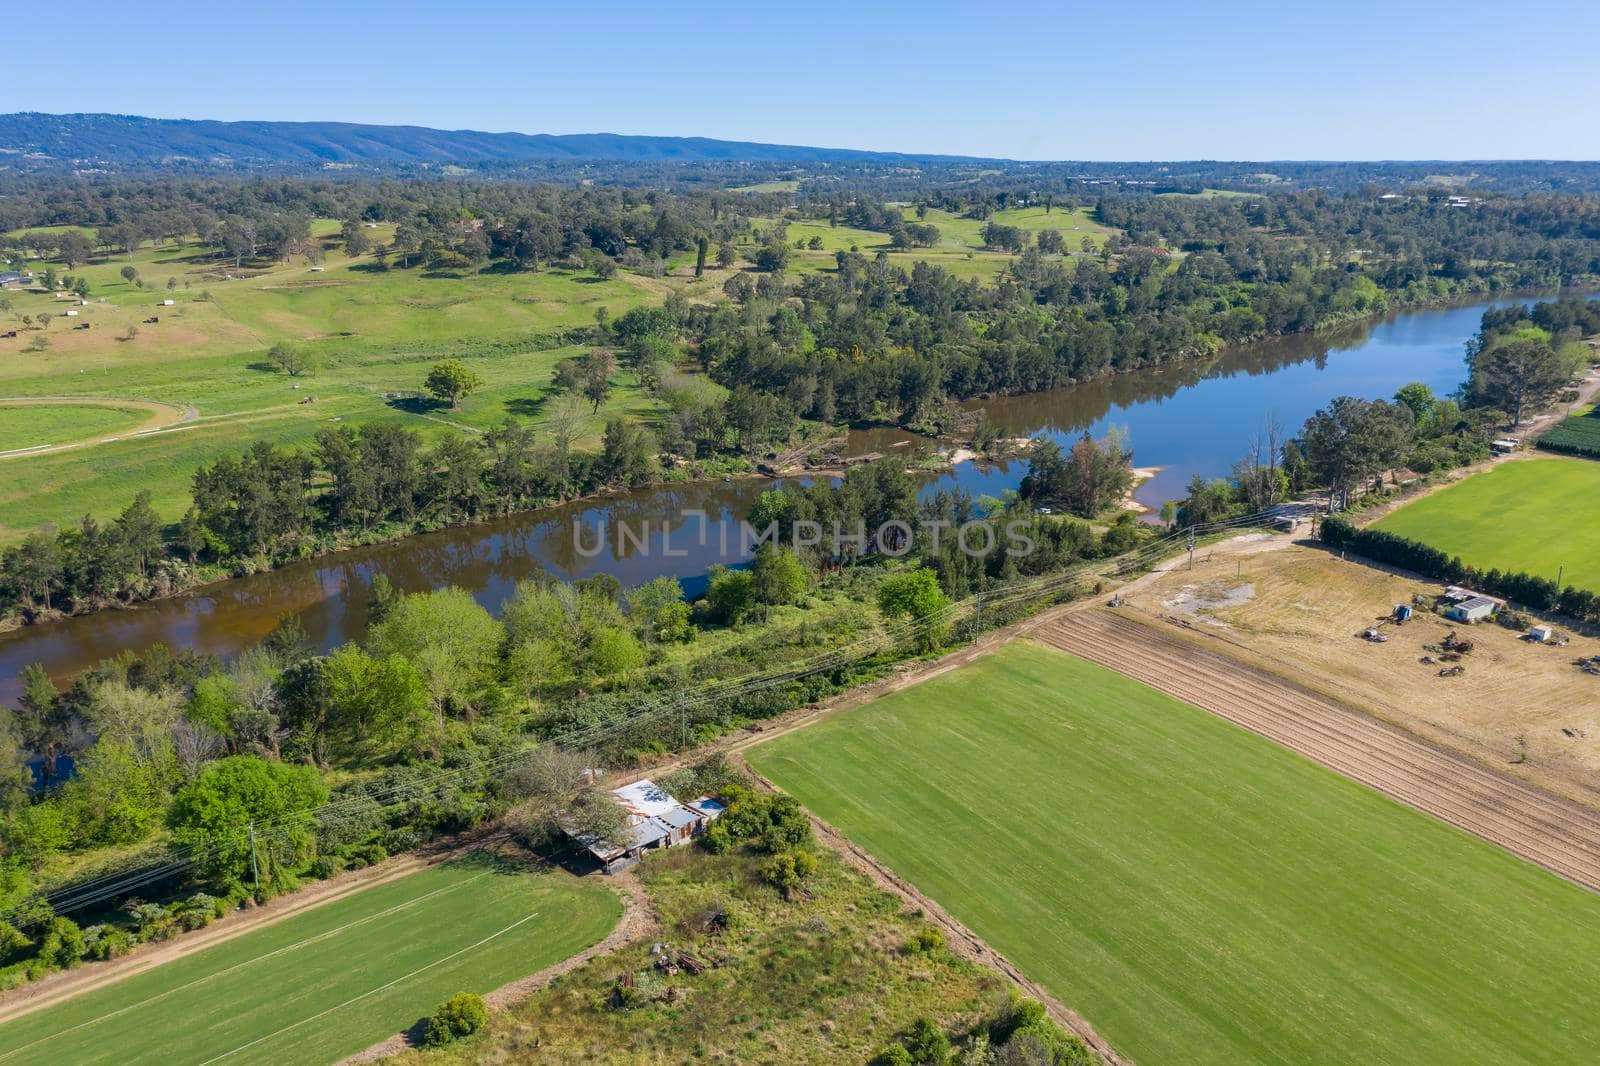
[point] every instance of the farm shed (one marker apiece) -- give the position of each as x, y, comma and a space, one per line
655, 819
1476, 609
11, 277
1542, 634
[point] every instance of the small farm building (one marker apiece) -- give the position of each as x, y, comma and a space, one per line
1476, 609
654, 820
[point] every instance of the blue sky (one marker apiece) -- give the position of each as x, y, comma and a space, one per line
1151, 80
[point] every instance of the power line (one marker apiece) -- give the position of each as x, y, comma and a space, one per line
653, 708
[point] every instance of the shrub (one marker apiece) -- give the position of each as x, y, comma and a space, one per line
63, 946
12, 940
151, 921
14, 976
894, 1056
104, 942
461, 1015
925, 941
927, 1043
324, 867
788, 871
396, 841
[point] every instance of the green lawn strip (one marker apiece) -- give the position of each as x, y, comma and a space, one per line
1536, 515
329, 982
28, 426
1198, 893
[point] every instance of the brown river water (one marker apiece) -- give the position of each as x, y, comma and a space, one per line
1188, 419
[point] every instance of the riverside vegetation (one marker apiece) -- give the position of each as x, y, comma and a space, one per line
879, 335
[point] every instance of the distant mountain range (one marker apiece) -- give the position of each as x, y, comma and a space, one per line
130, 140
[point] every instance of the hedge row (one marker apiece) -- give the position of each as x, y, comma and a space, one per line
1574, 436
1537, 593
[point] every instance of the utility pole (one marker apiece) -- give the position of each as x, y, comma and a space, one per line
1191, 549
1561, 572
255, 870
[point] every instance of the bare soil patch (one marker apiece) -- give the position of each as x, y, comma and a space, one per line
1520, 707
1561, 836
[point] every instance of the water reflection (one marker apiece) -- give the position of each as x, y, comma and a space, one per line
1191, 418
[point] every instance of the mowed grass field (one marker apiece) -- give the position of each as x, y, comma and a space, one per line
1533, 515
26, 426
373, 332
1197, 893
332, 981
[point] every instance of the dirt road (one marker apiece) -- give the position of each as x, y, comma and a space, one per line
1560, 836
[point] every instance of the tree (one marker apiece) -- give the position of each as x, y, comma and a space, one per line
216, 811
1419, 398
72, 248
772, 257
916, 593
727, 255
355, 239
1518, 375
1086, 481
191, 534
534, 665
1354, 439
128, 274
600, 264
291, 360
452, 380
700, 245
597, 815
779, 576
731, 594
43, 720
139, 529
597, 369
452, 641
659, 613
475, 247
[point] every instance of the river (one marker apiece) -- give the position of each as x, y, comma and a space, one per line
1195, 418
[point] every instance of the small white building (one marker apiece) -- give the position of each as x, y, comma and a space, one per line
1542, 634
168, 303
1477, 609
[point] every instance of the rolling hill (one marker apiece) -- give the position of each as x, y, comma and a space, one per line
126, 140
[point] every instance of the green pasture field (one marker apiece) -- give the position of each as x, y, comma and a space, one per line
959, 250
1199, 894
1538, 516
372, 332
27, 426
324, 984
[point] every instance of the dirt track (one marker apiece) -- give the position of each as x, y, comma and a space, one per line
1558, 835
162, 415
